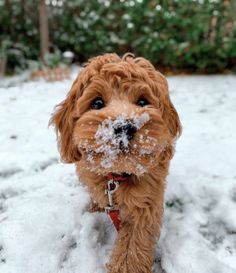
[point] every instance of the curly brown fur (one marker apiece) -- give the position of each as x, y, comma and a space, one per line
120, 82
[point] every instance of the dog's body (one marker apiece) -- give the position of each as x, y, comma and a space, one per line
118, 118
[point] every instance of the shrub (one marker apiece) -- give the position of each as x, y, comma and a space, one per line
196, 35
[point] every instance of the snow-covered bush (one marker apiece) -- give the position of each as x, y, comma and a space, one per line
187, 34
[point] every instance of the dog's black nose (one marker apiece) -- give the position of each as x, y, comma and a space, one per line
127, 129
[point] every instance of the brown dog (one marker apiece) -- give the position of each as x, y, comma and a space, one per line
118, 124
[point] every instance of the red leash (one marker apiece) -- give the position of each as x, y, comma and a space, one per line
112, 186
115, 218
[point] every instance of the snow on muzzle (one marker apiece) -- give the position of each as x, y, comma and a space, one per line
119, 132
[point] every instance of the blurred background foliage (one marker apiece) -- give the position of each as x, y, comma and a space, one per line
175, 35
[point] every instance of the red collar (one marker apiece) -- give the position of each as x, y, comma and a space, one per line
118, 178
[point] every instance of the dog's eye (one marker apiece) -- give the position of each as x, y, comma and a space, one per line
97, 103
142, 102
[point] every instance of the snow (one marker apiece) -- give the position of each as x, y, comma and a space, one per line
68, 54
44, 223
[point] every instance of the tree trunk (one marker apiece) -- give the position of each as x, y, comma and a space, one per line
8, 27
22, 3
43, 29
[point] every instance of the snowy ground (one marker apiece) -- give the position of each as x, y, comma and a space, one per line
44, 223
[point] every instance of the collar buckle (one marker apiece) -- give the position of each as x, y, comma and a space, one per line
112, 187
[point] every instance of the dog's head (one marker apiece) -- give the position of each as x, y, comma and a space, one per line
117, 117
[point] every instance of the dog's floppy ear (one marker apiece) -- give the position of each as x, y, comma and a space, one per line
63, 120
170, 115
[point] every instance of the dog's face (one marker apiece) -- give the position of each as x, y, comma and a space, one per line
117, 117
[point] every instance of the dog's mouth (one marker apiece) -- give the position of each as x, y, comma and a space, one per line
120, 178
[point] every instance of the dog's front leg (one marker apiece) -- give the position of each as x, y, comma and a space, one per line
134, 246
